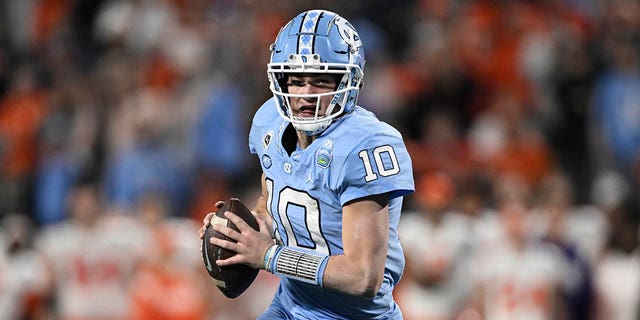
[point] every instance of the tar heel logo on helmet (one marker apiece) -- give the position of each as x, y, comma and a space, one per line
348, 33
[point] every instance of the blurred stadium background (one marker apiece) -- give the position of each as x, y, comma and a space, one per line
122, 121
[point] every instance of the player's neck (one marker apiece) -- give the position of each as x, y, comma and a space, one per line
293, 139
305, 140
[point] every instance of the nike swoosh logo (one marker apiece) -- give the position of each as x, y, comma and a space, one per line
206, 255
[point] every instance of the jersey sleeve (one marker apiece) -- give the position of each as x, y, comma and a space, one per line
379, 164
254, 134
265, 116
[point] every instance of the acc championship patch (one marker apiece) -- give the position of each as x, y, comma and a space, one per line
324, 154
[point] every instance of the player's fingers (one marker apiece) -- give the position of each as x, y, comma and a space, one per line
230, 261
241, 224
219, 204
224, 244
227, 232
207, 219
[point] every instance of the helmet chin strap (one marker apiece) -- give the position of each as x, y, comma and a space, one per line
312, 129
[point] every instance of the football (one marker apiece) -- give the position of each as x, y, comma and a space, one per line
231, 280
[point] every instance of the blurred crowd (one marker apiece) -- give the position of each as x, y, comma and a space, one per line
123, 121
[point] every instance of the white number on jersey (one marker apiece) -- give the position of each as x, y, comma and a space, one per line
288, 198
378, 153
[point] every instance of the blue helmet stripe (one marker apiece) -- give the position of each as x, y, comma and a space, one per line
308, 29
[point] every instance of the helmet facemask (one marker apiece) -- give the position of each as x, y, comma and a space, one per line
345, 93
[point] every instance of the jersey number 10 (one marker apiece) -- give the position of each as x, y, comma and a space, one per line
386, 163
379, 153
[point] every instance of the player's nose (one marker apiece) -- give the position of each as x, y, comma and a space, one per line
310, 95
308, 88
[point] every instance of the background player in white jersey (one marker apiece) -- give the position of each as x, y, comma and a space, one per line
92, 257
436, 238
514, 275
334, 177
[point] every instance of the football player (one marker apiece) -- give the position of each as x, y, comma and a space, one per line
92, 255
333, 181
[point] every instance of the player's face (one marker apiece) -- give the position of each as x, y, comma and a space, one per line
310, 84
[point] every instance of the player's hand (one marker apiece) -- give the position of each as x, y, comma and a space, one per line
250, 245
207, 219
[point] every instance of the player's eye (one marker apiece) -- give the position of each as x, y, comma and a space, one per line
324, 83
295, 83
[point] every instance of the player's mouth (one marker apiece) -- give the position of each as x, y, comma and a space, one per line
308, 111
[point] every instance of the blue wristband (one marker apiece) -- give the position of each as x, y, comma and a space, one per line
320, 273
272, 263
268, 257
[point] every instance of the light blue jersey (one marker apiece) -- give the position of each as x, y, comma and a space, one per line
357, 156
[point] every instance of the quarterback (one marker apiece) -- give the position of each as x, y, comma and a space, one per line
333, 181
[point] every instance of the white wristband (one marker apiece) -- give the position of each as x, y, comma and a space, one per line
300, 265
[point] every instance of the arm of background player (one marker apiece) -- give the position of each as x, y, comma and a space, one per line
365, 232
